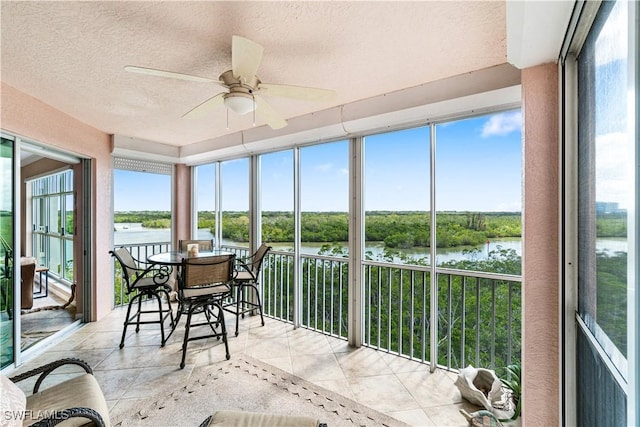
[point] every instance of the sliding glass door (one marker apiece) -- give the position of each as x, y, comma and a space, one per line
601, 187
6, 252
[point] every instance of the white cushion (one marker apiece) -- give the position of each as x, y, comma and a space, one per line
81, 391
256, 419
13, 402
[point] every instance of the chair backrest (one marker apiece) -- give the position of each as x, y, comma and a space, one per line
206, 271
128, 265
203, 245
255, 261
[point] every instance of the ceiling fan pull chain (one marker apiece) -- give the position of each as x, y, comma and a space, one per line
253, 98
227, 110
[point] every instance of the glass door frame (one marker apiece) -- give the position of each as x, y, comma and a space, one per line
81, 188
16, 212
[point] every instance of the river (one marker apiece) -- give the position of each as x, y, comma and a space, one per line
127, 233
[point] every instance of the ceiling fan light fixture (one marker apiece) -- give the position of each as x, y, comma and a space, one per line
240, 103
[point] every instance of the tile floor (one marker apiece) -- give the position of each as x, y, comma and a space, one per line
398, 387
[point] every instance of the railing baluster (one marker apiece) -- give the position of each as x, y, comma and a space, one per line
308, 302
411, 311
493, 322
368, 301
281, 285
463, 321
449, 320
400, 322
331, 300
324, 294
477, 321
340, 290
389, 312
425, 280
509, 314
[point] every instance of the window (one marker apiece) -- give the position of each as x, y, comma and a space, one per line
141, 215
601, 170
276, 185
53, 223
479, 193
234, 199
391, 175
324, 198
205, 183
396, 197
605, 178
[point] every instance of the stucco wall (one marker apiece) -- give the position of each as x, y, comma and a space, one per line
541, 288
32, 119
182, 202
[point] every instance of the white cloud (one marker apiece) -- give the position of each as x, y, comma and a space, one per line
614, 171
502, 124
324, 167
611, 44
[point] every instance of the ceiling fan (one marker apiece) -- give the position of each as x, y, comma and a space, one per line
242, 88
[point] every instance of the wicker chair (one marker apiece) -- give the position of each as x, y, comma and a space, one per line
152, 282
76, 401
247, 276
202, 285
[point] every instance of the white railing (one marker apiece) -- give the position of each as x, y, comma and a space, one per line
479, 314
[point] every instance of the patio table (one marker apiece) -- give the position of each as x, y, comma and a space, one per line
174, 258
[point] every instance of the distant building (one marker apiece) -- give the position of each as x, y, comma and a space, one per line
608, 208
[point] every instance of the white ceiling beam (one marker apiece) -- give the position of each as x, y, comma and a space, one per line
535, 30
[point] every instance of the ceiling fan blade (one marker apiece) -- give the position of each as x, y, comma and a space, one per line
297, 92
169, 74
246, 56
205, 107
271, 116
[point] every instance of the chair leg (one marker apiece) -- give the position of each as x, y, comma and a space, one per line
210, 315
186, 336
126, 319
178, 315
224, 329
139, 313
259, 303
239, 294
168, 296
173, 321
160, 313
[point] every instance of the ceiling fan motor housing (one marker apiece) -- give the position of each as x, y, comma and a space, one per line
240, 97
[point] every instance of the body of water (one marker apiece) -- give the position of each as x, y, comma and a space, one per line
132, 233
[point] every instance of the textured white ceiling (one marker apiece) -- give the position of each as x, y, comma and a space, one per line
71, 55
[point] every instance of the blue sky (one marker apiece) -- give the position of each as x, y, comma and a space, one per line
479, 168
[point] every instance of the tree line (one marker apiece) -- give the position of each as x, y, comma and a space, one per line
398, 230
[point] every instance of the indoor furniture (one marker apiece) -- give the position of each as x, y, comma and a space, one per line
40, 270
227, 418
27, 276
174, 258
246, 279
145, 281
75, 401
202, 284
